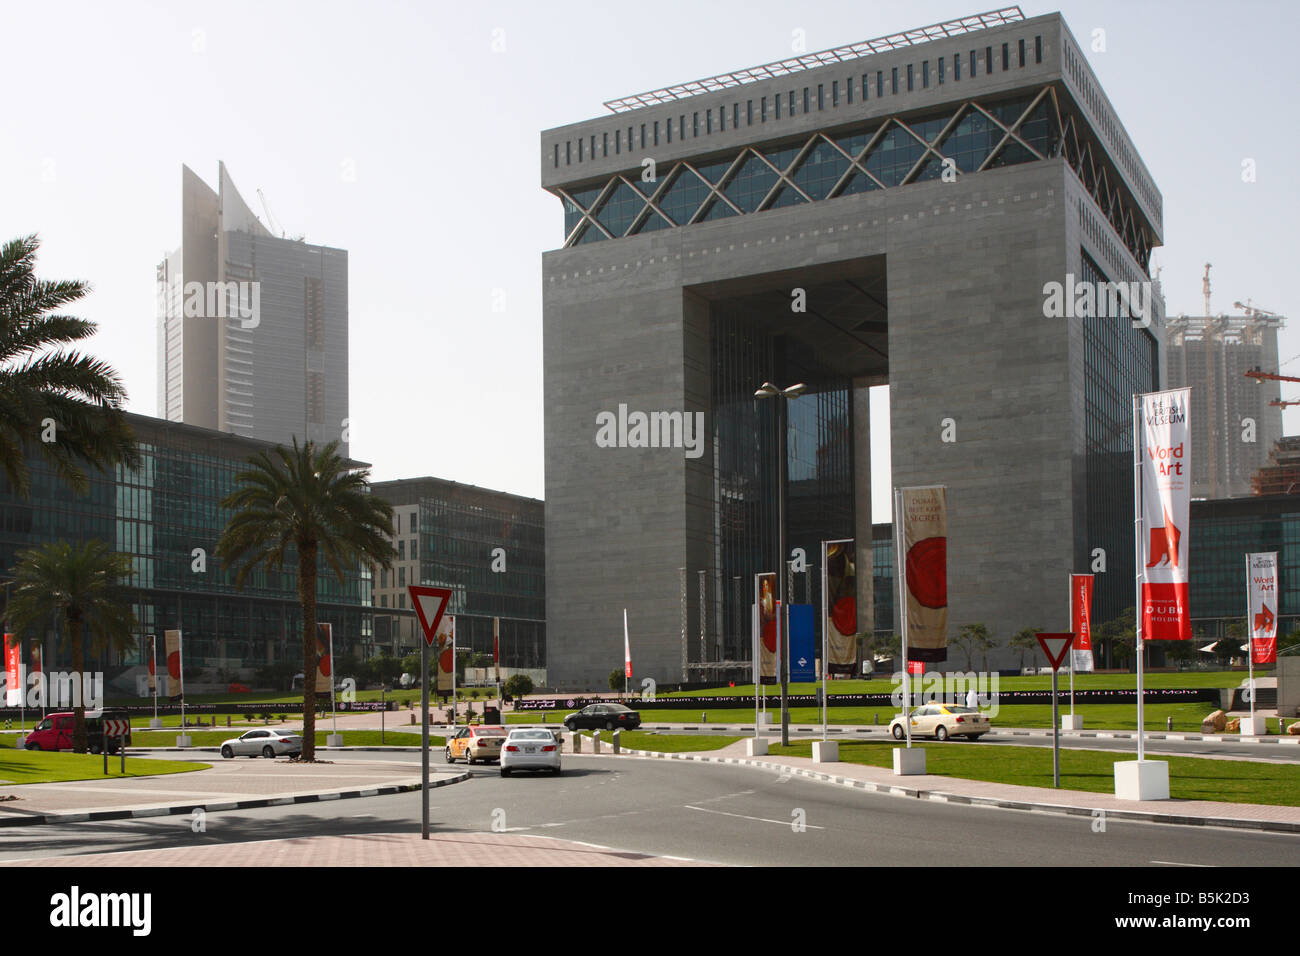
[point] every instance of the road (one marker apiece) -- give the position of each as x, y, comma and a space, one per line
706, 812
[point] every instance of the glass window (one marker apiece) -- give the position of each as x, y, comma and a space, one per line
893, 81
848, 90
708, 122
925, 74
604, 144
943, 61
835, 93
880, 83
1021, 45
820, 170
1038, 49
1006, 58
749, 112
988, 60
806, 101
821, 97
762, 109
656, 133
557, 155
792, 102
864, 87
401, 577
695, 124
973, 71
910, 87
735, 115
568, 153
751, 184
956, 67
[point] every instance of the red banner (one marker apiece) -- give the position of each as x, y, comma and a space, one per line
13, 671
1081, 621
172, 644
324, 658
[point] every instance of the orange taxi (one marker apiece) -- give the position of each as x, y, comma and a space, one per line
473, 744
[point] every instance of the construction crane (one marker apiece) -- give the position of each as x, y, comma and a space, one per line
1261, 376
270, 220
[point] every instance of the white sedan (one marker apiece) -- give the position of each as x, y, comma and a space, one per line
530, 750
942, 721
263, 743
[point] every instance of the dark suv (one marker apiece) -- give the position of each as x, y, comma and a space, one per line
604, 717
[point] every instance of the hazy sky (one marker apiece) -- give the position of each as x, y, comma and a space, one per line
396, 131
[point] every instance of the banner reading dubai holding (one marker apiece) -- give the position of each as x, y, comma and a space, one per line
840, 585
1261, 587
1081, 621
925, 543
765, 628
1165, 478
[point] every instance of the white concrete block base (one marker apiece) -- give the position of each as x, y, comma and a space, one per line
334, 740
909, 761
765, 718
1254, 726
20, 742
756, 747
1072, 721
155, 723
1142, 780
183, 740
826, 751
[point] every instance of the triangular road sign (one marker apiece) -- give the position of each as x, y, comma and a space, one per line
1055, 646
429, 603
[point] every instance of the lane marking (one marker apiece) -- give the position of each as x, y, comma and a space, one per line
1173, 863
783, 823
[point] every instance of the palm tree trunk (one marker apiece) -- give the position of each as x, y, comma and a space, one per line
79, 740
307, 599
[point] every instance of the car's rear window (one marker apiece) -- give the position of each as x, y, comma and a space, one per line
961, 710
531, 735
618, 709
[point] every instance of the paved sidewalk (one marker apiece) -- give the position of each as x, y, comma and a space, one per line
227, 785
1006, 796
378, 849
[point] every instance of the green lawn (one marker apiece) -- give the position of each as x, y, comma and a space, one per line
665, 743
1158, 680
17, 767
1187, 717
1190, 778
351, 738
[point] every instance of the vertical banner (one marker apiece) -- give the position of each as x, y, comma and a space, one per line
1081, 621
13, 671
38, 683
627, 649
1165, 482
925, 544
1261, 587
765, 602
172, 645
496, 647
153, 664
324, 658
803, 635
446, 650
840, 587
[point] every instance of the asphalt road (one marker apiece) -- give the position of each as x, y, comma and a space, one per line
706, 812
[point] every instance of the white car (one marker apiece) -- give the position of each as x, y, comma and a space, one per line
263, 743
942, 721
528, 749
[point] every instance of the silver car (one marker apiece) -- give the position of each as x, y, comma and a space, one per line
263, 743
528, 749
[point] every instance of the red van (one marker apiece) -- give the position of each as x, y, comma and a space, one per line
55, 733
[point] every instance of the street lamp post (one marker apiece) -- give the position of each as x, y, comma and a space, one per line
768, 390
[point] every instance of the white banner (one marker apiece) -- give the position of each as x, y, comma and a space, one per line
1261, 590
1165, 489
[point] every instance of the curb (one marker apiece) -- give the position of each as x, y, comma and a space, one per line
941, 796
1036, 732
178, 809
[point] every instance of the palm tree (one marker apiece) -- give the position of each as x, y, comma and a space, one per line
309, 500
63, 403
83, 585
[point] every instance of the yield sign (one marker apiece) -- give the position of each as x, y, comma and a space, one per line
1055, 646
429, 603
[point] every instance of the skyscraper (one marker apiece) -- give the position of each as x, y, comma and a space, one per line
252, 328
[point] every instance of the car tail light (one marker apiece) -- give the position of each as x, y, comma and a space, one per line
961, 720
513, 749
548, 748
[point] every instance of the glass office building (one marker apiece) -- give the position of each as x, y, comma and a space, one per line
487, 546
166, 516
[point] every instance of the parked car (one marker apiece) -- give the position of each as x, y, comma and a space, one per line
942, 721
527, 749
473, 744
263, 743
604, 717
54, 733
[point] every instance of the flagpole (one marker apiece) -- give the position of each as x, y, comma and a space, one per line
1250, 647
333, 706
1137, 567
825, 643
180, 660
1069, 617
153, 671
900, 575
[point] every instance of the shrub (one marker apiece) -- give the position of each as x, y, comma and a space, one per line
519, 685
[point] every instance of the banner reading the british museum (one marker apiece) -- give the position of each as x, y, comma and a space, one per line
765, 621
1261, 588
1166, 482
840, 586
925, 544
1081, 621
